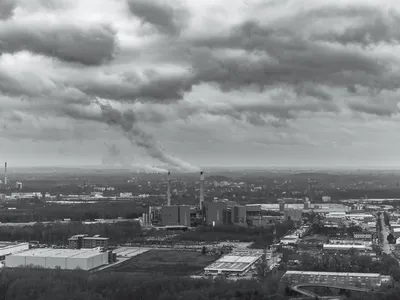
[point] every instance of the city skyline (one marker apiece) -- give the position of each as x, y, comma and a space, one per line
186, 85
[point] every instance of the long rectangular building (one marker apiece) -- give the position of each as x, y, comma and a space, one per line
68, 259
369, 280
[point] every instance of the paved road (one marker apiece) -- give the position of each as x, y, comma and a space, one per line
385, 244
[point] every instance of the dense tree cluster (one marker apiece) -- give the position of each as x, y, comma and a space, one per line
32, 284
76, 212
261, 236
58, 233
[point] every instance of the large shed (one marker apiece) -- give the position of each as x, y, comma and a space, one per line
70, 259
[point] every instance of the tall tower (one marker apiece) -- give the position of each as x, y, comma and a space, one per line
169, 189
201, 190
5, 173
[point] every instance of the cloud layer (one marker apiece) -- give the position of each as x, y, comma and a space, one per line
277, 82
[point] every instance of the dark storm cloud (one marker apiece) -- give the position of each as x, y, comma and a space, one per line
374, 27
7, 9
284, 57
88, 46
158, 88
378, 109
164, 17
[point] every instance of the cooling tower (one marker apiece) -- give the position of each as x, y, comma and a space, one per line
201, 189
169, 189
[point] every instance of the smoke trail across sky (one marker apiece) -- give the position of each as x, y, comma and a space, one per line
127, 122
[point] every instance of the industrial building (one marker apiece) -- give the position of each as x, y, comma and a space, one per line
225, 212
396, 232
83, 241
237, 262
367, 280
175, 215
293, 214
262, 221
7, 248
345, 247
362, 235
68, 259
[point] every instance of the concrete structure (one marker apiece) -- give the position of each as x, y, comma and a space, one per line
239, 214
216, 213
175, 215
362, 235
83, 241
361, 217
169, 189
396, 232
201, 190
293, 214
5, 174
170, 215
7, 248
18, 185
184, 215
68, 259
281, 206
344, 247
307, 205
369, 280
237, 262
326, 199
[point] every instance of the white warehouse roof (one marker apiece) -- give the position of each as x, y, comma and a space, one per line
63, 258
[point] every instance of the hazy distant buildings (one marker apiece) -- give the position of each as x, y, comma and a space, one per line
18, 185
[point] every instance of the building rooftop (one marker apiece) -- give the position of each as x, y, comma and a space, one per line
370, 275
335, 246
4, 245
62, 253
236, 261
86, 237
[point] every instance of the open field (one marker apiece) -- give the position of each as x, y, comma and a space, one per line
166, 262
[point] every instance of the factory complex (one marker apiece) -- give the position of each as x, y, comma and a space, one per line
68, 259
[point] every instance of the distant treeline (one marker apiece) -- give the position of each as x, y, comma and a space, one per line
58, 234
261, 236
75, 212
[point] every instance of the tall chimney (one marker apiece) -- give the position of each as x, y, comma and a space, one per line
169, 189
201, 189
5, 173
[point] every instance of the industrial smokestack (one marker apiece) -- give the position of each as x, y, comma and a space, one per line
201, 189
5, 173
169, 189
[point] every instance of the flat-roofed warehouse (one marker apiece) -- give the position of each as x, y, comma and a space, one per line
7, 248
68, 259
235, 262
367, 280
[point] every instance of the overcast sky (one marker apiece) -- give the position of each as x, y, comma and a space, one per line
206, 82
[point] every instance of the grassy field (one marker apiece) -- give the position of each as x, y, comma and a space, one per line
166, 262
